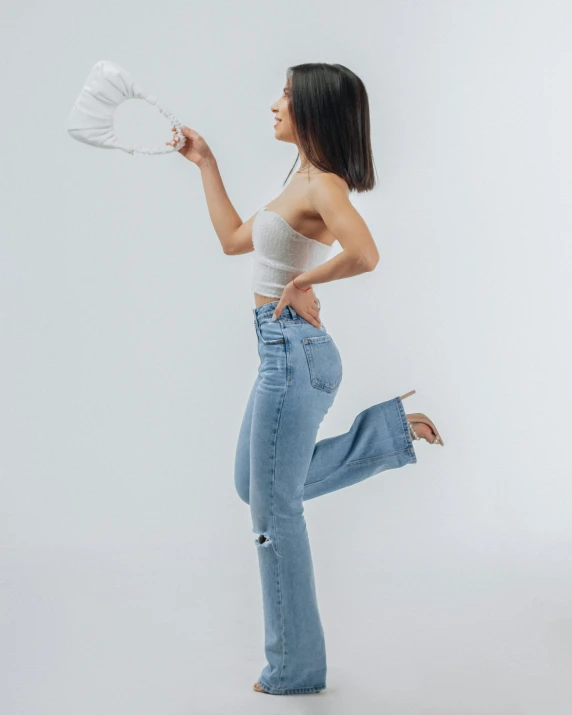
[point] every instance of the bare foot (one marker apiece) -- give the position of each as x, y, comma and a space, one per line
422, 430
421, 427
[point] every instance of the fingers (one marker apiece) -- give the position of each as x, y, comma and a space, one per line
175, 138
278, 310
313, 317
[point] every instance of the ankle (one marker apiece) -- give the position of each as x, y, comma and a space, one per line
412, 432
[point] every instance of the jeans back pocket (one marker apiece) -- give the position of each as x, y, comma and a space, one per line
324, 362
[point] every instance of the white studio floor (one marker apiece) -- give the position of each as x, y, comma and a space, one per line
149, 630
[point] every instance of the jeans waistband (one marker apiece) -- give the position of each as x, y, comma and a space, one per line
266, 309
263, 313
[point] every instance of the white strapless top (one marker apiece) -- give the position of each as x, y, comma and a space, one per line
281, 254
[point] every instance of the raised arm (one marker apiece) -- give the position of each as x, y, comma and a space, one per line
235, 236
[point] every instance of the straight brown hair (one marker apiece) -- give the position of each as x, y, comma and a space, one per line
329, 107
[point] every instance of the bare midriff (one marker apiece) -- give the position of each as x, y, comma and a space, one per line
262, 299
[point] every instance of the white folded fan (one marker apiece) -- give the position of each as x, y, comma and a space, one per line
91, 118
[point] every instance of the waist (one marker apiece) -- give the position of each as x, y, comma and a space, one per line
263, 313
262, 299
271, 282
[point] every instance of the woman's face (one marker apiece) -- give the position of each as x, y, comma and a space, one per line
283, 127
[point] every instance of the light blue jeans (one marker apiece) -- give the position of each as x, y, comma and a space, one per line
279, 465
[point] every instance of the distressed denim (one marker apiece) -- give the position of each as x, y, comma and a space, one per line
279, 465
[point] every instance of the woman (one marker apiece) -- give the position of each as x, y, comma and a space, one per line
324, 111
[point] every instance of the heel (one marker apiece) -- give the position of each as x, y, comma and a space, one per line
420, 417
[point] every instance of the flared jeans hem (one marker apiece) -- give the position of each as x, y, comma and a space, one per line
407, 432
290, 691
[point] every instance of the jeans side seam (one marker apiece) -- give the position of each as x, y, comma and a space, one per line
278, 571
365, 460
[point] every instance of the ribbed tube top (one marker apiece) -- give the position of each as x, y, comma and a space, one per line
281, 254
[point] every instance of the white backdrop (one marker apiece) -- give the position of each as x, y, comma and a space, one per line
128, 573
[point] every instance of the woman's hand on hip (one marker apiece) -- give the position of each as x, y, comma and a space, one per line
304, 302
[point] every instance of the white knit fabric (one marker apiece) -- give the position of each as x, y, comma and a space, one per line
281, 254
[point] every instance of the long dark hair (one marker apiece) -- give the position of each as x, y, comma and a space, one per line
329, 107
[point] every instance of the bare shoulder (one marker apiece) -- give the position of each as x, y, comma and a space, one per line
328, 180
328, 190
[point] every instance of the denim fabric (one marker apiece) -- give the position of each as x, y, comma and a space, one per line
279, 465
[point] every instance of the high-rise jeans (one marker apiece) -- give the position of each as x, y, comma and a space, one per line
279, 465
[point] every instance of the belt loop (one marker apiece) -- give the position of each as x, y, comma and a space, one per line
292, 311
